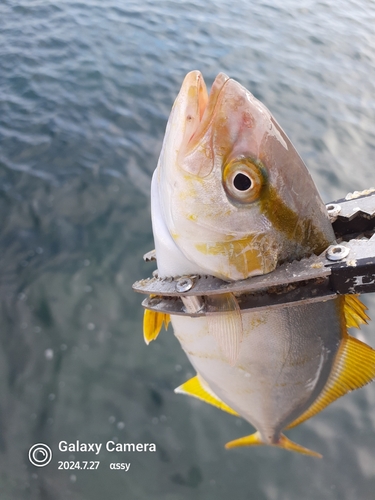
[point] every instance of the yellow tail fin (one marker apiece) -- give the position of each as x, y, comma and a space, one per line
283, 442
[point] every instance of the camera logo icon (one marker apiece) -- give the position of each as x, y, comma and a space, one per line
40, 455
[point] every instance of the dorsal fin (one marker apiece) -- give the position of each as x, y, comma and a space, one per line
152, 323
353, 367
354, 311
283, 442
198, 388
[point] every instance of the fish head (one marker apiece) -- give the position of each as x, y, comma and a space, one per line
232, 196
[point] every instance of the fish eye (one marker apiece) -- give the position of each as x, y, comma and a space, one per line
243, 180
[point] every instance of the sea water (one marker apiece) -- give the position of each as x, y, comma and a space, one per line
86, 88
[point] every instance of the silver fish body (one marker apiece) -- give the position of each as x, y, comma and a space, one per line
299, 351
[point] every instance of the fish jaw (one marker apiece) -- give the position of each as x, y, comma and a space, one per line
208, 140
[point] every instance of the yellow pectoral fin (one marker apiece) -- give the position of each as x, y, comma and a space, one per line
354, 311
166, 320
197, 388
152, 323
283, 442
354, 367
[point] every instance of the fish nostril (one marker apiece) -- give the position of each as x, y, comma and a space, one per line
242, 182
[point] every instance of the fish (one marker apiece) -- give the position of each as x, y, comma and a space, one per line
232, 198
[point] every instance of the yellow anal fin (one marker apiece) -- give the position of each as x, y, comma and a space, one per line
152, 323
354, 311
283, 442
197, 388
354, 367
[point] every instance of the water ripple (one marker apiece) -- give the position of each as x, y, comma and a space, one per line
86, 88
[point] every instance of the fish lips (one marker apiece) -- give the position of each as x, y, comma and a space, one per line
195, 152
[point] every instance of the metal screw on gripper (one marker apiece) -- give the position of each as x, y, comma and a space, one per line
333, 209
184, 285
337, 252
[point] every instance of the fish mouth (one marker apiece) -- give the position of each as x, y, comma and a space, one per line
198, 110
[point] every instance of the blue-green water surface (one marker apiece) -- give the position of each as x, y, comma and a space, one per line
85, 91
